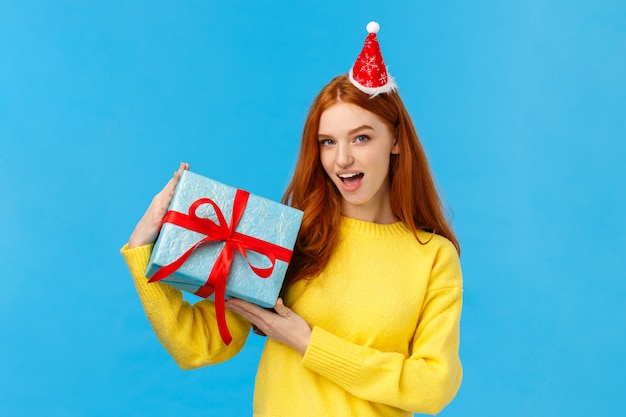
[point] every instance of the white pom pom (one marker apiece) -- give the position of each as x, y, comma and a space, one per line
372, 27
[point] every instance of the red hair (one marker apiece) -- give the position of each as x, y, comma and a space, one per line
414, 196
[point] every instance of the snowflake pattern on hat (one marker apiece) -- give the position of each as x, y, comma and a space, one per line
369, 73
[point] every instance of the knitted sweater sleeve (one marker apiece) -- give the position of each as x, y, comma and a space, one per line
424, 382
188, 332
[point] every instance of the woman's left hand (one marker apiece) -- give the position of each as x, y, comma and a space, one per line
284, 326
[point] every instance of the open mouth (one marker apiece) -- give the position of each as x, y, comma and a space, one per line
351, 179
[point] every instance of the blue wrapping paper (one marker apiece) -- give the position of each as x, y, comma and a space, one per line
263, 219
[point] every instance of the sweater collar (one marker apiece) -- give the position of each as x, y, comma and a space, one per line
376, 229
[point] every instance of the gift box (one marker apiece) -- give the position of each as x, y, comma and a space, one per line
219, 241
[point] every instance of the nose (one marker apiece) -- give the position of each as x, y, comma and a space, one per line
344, 156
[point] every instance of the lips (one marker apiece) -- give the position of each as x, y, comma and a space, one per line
351, 180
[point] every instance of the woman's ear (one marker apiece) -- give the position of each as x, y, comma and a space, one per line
395, 149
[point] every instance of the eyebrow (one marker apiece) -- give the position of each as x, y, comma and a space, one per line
362, 127
350, 132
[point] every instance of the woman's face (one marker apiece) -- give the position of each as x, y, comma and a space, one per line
355, 150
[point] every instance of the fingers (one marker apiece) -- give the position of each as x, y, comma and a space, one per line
168, 191
281, 308
184, 166
171, 184
283, 326
149, 226
164, 197
251, 312
258, 316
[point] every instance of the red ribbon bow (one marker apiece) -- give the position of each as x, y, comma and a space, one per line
213, 232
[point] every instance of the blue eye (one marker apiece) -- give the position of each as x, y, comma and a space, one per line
362, 138
326, 142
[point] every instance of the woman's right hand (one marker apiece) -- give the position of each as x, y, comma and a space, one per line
149, 226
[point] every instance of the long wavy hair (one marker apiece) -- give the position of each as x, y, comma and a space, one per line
414, 195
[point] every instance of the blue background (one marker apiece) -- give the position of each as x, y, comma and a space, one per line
520, 106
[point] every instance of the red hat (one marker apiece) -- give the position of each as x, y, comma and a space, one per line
369, 73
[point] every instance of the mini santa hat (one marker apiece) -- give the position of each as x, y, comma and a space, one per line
369, 73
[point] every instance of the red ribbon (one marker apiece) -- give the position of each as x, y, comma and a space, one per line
213, 232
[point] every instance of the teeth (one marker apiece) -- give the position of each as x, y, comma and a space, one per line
354, 174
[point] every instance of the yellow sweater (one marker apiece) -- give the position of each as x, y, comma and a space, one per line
385, 317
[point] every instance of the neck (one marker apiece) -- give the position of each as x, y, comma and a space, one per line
380, 215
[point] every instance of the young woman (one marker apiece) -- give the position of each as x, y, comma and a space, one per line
368, 322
